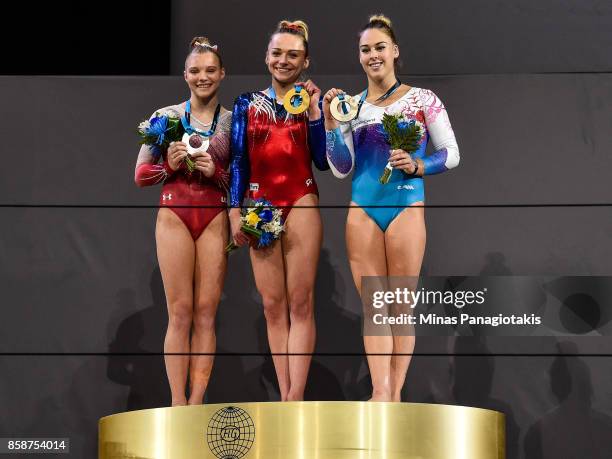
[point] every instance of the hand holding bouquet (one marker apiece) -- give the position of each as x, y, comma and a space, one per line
160, 131
263, 222
401, 135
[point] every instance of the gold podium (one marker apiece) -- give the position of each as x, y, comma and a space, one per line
304, 430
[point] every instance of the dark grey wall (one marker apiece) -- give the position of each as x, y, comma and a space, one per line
435, 37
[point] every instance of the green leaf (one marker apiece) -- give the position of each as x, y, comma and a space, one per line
407, 140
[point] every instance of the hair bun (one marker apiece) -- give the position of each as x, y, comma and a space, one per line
298, 25
199, 41
380, 18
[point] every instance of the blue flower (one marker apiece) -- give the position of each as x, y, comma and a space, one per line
266, 215
266, 239
404, 125
263, 202
159, 125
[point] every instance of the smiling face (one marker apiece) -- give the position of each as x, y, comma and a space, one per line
203, 74
286, 57
377, 54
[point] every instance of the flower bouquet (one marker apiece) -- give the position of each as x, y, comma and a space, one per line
263, 221
401, 134
160, 131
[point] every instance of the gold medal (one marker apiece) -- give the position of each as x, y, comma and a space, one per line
343, 107
296, 100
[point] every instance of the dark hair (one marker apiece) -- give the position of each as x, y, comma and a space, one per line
297, 27
201, 45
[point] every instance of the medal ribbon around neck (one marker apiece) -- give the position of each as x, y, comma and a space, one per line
346, 115
189, 129
385, 96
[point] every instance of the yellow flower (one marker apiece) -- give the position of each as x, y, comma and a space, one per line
252, 219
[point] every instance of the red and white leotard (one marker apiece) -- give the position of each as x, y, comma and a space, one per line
194, 198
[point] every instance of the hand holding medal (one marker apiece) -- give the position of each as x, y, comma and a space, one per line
344, 107
177, 152
341, 106
196, 141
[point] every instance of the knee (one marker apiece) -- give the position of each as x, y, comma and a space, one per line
180, 316
301, 304
275, 307
204, 316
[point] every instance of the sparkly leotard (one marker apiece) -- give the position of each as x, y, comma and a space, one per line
361, 146
272, 152
194, 198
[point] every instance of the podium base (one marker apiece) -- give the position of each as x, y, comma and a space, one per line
304, 430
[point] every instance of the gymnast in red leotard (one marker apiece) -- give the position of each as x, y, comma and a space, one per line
272, 151
278, 146
190, 238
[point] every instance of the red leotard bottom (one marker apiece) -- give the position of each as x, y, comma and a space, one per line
283, 199
184, 191
282, 181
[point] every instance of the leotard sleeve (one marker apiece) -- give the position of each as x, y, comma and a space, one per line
446, 154
340, 151
316, 141
239, 162
150, 171
219, 150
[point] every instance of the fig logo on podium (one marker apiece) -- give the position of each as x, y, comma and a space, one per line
230, 433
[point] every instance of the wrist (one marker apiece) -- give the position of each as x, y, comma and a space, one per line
211, 171
416, 169
331, 124
168, 168
421, 168
314, 113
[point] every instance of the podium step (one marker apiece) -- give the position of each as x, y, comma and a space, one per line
304, 430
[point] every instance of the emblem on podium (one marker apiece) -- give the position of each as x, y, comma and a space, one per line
230, 433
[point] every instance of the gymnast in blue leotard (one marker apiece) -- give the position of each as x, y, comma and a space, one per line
361, 146
390, 240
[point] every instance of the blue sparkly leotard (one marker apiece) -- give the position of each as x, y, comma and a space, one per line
361, 146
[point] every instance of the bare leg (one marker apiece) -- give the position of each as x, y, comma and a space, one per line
366, 250
210, 265
176, 254
301, 248
405, 246
269, 272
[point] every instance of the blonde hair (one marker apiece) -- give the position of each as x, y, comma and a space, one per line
382, 23
297, 27
381, 18
297, 24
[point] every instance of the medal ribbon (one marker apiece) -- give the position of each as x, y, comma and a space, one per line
386, 95
186, 121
